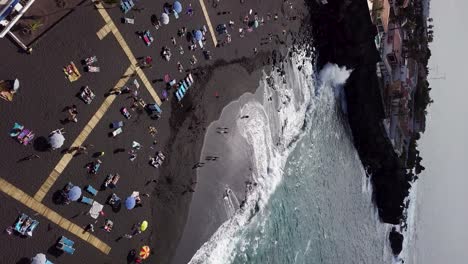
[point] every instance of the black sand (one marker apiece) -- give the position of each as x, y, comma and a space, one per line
181, 129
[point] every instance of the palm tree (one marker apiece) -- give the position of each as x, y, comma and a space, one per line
32, 27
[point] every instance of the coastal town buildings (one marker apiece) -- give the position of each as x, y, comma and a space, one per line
398, 73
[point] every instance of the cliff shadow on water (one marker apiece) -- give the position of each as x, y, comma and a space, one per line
344, 34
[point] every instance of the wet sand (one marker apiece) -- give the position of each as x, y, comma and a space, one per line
221, 182
178, 176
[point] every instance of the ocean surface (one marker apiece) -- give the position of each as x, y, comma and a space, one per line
289, 186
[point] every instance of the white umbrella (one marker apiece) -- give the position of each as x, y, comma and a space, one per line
15, 85
56, 140
39, 259
165, 18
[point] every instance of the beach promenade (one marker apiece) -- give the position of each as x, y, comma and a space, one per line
32, 185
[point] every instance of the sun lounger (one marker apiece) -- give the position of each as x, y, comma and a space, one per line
31, 228
154, 108
87, 200
117, 124
16, 130
65, 248
190, 77
181, 95
135, 82
25, 225
177, 96
117, 132
187, 80
147, 40
66, 241
185, 84
23, 134
20, 222
91, 190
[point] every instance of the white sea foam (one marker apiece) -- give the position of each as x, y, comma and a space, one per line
272, 130
408, 232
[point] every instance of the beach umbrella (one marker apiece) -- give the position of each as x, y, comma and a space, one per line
177, 6
56, 140
165, 18
130, 202
144, 252
198, 35
39, 259
144, 225
15, 85
74, 194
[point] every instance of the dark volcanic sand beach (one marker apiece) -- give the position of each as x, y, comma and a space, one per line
233, 71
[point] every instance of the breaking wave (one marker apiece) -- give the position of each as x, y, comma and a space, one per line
272, 130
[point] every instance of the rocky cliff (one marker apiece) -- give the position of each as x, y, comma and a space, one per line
344, 34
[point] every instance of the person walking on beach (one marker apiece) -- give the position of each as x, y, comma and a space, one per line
82, 150
30, 157
190, 10
180, 67
90, 228
198, 165
33, 156
72, 113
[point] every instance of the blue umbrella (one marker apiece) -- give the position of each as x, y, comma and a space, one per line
177, 6
130, 202
198, 35
74, 194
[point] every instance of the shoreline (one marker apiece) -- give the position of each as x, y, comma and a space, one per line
207, 209
188, 126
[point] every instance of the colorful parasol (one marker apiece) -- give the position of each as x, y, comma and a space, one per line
144, 225
144, 252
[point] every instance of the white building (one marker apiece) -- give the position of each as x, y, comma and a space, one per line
10, 12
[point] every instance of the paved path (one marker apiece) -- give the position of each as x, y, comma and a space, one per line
54, 217
110, 27
62, 164
208, 21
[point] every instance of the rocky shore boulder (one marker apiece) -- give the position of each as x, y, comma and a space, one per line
396, 241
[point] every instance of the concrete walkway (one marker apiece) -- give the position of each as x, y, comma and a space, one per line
54, 217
